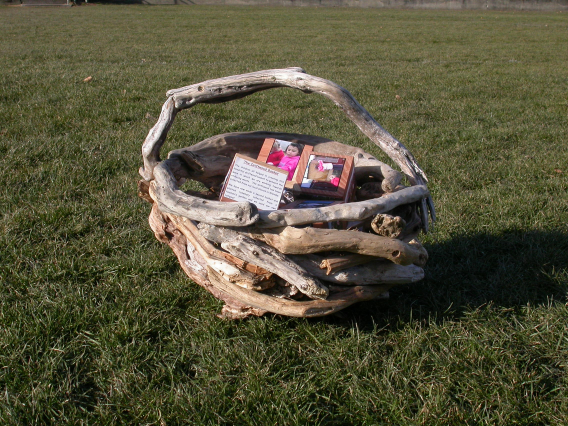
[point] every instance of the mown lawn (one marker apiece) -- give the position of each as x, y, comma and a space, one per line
98, 325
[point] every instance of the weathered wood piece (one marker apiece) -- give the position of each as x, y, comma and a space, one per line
388, 226
347, 212
337, 263
156, 138
216, 261
166, 232
189, 226
270, 259
210, 170
371, 273
290, 240
337, 300
165, 191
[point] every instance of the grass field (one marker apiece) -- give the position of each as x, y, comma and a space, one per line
99, 326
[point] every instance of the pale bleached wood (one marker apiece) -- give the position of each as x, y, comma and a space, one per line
166, 232
265, 256
238, 86
156, 138
290, 240
211, 250
346, 212
216, 261
337, 263
165, 191
370, 273
337, 301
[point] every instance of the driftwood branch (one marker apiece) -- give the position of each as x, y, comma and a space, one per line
315, 308
216, 261
347, 212
189, 226
291, 240
270, 259
156, 138
337, 263
371, 273
165, 191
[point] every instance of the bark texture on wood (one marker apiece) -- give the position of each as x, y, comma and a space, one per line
291, 240
346, 212
337, 263
388, 226
268, 258
165, 191
166, 232
371, 273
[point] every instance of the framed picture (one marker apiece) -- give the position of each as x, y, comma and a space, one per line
253, 181
328, 175
289, 156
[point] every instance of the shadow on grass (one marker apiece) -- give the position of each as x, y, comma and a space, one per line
509, 270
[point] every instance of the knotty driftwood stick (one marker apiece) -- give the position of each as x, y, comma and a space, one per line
156, 138
372, 273
337, 263
165, 192
314, 308
291, 240
166, 232
210, 249
215, 261
347, 212
238, 86
265, 256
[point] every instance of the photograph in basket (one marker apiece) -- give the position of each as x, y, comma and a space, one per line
254, 181
328, 175
286, 155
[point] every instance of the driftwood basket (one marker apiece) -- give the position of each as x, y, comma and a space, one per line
276, 261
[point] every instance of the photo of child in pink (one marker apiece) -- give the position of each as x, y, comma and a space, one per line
275, 155
290, 160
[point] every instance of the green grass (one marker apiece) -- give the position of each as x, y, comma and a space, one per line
98, 325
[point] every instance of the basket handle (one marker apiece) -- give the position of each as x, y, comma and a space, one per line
238, 86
